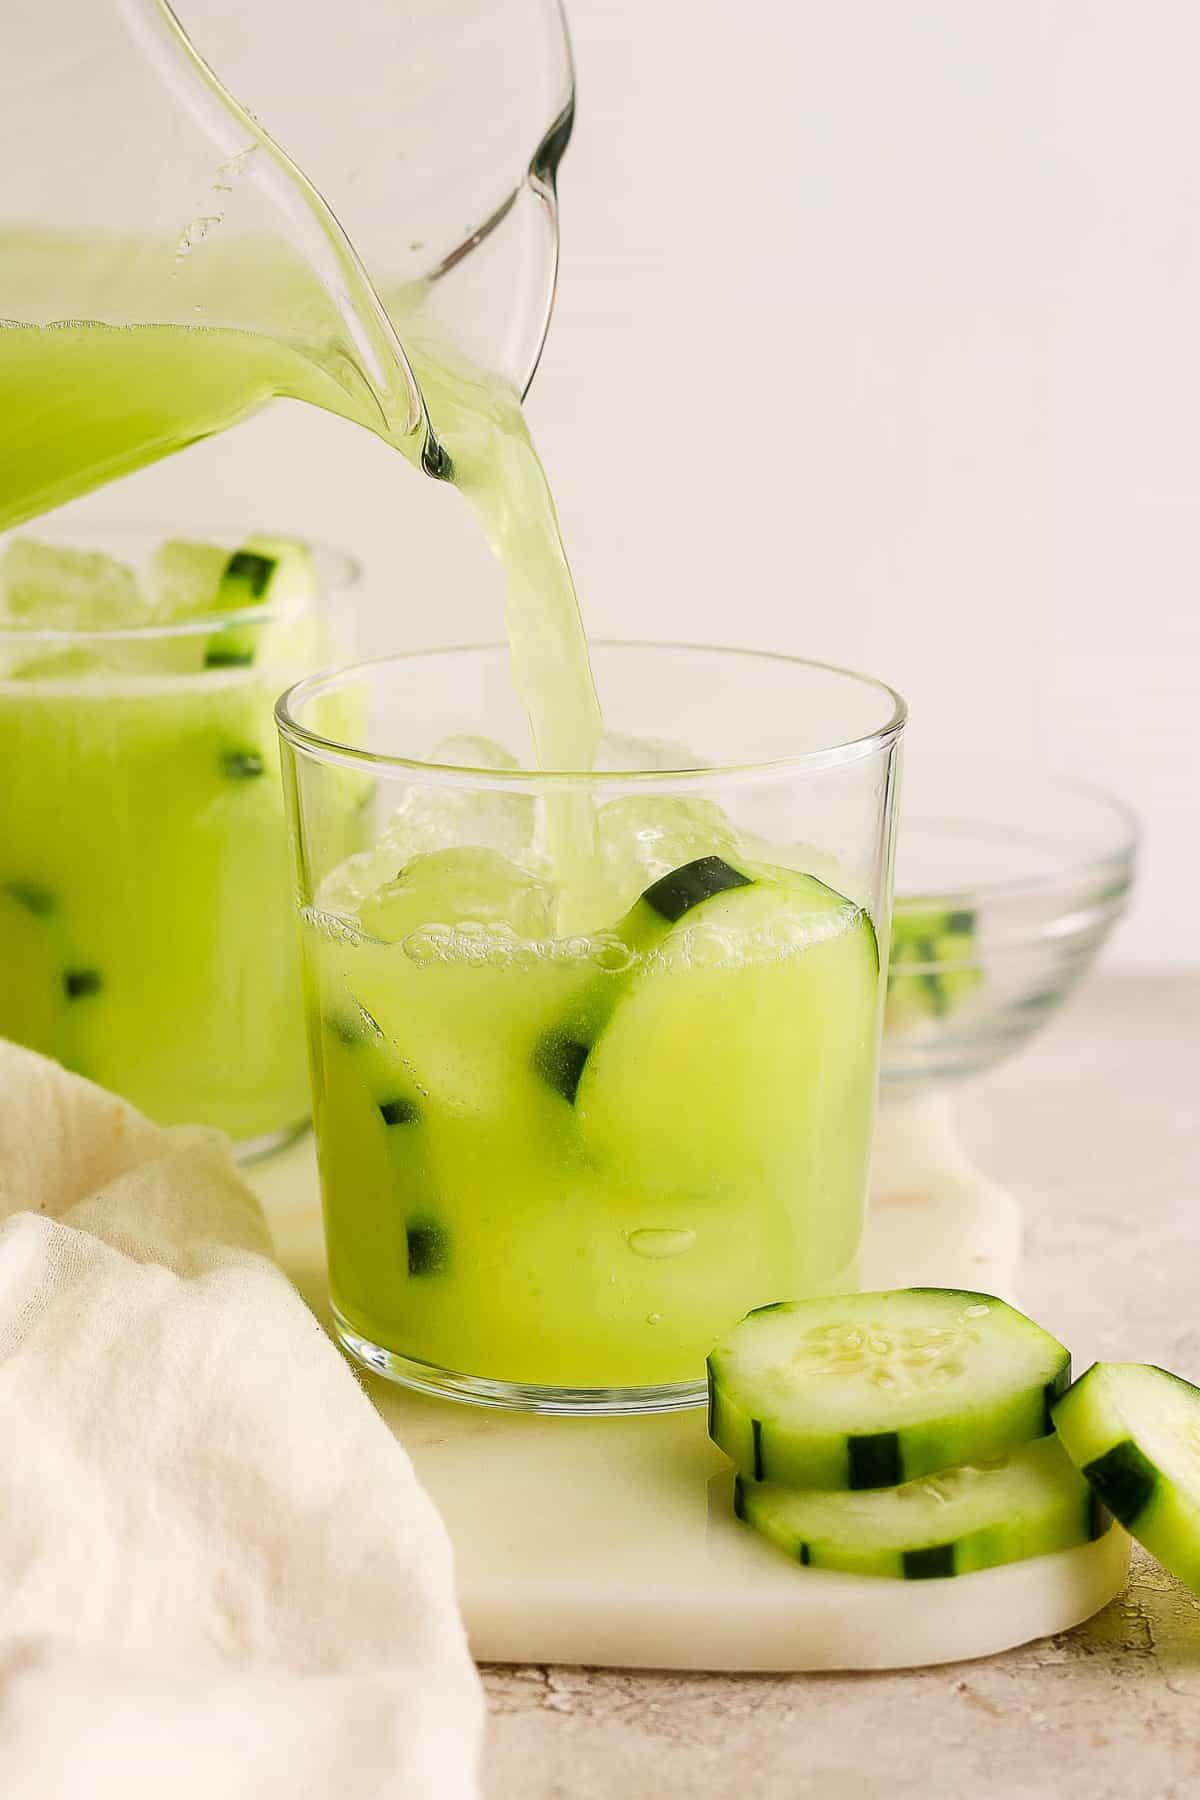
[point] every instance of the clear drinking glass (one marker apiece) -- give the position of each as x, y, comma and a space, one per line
145, 937
572, 1128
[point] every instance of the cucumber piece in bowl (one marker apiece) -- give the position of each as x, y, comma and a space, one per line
934, 965
1134, 1432
1028, 1503
874, 1390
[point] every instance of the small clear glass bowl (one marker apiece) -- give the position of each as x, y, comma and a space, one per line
1008, 883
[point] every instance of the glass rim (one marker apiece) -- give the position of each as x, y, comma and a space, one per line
337, 571
331, 750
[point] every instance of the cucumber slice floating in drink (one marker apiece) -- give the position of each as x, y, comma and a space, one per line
871, 1390
189, 579
1030, 1502
747, 1010
265, 571
1134, 1432
403, 1235
388, 1083
31, 994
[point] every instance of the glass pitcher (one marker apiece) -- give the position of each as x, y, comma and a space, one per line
414, 162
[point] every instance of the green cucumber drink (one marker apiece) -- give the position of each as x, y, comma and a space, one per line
571, 1127
143, 866
558, 1162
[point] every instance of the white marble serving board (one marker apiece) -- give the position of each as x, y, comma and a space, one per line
612, 1541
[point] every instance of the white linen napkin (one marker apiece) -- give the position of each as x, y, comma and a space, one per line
218, 1575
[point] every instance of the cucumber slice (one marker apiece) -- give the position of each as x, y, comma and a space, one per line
870, 1390
389, 1084
407, 1237
185, 577
562, 1051
264, 571
1029, 1503
1134, 1431
933, 966
747, 1017
31, 985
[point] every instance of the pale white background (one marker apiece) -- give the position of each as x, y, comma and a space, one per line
876, 341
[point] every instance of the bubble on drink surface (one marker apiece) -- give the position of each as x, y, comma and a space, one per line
438, 815
658, 1242
788, 927
333, 928
471, 890
642, 837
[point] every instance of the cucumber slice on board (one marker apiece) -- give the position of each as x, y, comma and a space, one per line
1134, 1432
871, 1390
1029, 1503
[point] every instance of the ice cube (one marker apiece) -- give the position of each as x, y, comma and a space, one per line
45, 587
472, 753
644, 836
344, 889
465, 887
806, 859
631, 754
432, 816
185, 577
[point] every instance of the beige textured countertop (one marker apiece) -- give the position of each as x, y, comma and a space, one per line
1094, 1128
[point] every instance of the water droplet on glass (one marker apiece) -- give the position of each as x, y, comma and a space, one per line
654, 1242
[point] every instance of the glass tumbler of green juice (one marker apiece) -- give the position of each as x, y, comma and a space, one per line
594, 1053
146, 937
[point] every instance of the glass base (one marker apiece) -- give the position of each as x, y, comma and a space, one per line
516, 1396
248, 1150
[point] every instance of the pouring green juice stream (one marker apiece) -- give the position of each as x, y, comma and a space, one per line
592, 1215
97, 401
